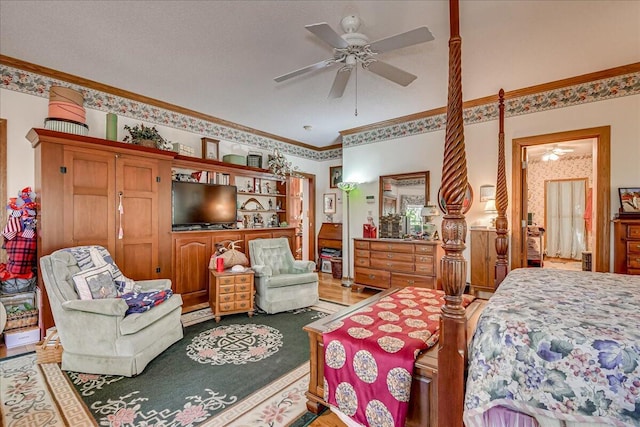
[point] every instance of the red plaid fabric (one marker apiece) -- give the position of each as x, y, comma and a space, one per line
21, 255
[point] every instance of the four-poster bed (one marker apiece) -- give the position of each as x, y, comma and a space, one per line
550, 348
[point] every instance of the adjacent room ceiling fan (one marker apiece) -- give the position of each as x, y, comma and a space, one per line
353, 48
555, 152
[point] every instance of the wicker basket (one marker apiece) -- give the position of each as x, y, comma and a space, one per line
21, 319
49, 350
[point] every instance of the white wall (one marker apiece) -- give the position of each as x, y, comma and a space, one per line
365, 163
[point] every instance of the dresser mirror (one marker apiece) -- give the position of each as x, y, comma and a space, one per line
403, 196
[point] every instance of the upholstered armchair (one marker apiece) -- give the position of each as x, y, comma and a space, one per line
96, 334
282, 282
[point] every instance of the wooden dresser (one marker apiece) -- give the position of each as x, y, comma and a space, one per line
330, 236
389, 263
626, 238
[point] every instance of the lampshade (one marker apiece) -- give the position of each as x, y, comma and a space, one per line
429, 210
347, 187
490, 207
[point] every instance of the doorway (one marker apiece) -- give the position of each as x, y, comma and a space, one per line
302, 195
601, 199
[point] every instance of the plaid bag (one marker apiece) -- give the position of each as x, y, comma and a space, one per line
21, 255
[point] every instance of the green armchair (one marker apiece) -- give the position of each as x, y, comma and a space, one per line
96, 335
282, 282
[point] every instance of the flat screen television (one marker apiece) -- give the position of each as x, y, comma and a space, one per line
203, 205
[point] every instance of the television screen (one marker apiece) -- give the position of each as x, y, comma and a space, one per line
203, 204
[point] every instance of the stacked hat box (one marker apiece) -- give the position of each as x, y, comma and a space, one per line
66, 111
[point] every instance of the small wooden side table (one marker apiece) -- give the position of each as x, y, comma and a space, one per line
231, 293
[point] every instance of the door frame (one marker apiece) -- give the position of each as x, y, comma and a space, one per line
601, 191
311, 217
3, 180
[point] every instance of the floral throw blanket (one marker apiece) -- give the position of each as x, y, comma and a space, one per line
560, 344
369, 356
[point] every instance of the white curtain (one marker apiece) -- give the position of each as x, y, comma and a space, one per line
565, 227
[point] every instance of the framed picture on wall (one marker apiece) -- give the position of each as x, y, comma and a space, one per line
329, 203
629, 199
335, 176
487, 192
209, 148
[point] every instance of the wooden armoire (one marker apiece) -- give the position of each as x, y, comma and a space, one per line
97, 192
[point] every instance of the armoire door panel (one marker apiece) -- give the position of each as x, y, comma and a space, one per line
137, 190
191, 269
89, 181
137, 260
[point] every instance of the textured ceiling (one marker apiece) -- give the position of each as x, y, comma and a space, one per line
220, 57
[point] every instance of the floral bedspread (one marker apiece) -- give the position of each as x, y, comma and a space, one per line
561, 344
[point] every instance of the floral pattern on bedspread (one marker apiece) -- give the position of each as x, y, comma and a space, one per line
562, 344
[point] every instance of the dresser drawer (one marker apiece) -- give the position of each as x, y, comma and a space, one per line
392, 265
633, 247
243, 287
428, 267
226, 298
359, 244
243, 278
226, 280
328, 243
403, 280
243, 305
243, 296
227, 306
362, 262
394, 256
425, 249
633, 231
375, 278
362, 253
227, 288
391, 247
634, 271
633, 260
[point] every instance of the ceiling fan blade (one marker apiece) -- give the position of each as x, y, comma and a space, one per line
392, 73
419, 35
306, 69
328, 35
340, 82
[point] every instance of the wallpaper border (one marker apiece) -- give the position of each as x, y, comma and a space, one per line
597, 90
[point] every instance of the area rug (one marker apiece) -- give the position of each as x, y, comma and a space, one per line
257, 387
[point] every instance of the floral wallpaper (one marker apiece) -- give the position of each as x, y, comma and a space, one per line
566, 168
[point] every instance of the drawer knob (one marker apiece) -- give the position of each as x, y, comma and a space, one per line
389, 256
372, 276
411, 282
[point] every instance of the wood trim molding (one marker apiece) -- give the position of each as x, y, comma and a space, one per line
3, 179
601, 191
80, 81
493, 99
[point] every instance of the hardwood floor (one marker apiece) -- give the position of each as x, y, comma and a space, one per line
330, 289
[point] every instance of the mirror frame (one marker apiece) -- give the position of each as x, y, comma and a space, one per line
399, 176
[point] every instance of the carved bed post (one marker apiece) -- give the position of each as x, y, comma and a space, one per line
502, 201
452, 344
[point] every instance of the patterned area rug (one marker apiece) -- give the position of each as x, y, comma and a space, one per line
43, 395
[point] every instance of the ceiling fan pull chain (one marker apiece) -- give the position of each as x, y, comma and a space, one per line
356, 113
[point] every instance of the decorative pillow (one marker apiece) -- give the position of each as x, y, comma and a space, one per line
123, 283
95, 283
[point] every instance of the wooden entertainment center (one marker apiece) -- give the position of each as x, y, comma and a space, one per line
82, 182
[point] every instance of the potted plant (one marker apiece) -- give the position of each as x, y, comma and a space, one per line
147, 136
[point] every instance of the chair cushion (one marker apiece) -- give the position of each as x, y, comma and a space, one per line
291, 279
83, 255
95, 283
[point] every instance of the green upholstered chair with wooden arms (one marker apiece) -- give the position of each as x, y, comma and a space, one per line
282, 282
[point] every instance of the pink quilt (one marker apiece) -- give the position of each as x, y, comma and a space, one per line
369, 356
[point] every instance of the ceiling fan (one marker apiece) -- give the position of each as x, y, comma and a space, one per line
353, 48
555, 152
